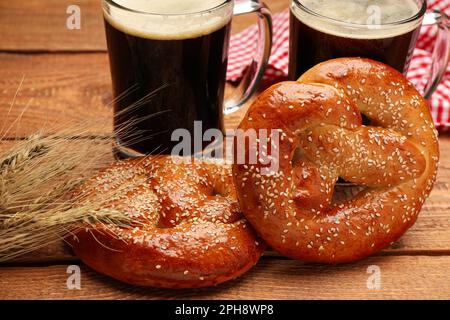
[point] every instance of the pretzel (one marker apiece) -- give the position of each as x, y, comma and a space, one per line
322, 137
189, 230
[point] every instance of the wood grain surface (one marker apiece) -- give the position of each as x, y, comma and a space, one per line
402, 277
51, 91
40, 25
64, 79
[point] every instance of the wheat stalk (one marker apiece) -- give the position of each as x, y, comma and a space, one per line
38, 176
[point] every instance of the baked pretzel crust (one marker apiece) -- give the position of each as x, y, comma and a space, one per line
319, 118
189, 231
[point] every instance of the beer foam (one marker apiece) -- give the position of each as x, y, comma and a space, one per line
360, 19
169, 19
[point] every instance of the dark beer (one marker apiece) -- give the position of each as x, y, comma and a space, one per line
164, 81
314, 39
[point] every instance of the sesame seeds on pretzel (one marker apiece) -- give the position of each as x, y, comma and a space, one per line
189, 230
323, 138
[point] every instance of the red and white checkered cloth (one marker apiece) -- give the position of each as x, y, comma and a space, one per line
243, 46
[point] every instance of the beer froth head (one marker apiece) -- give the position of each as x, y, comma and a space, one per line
370, 16
168, 19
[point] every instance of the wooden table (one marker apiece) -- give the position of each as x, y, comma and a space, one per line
66, 79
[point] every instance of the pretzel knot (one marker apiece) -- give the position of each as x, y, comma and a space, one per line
188, 232
394, 158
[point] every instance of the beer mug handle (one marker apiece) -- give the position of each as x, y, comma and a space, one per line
255, 71
441, 51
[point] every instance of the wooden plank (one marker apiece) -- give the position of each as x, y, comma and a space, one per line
402, 277
54, 91
57, 90
28, 25
57, 252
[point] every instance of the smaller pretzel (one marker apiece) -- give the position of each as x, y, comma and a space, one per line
191, 232
322, 138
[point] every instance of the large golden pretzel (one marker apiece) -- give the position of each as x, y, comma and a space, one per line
322, 138
189, 231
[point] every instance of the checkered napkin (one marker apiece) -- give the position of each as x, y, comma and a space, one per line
243, 46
